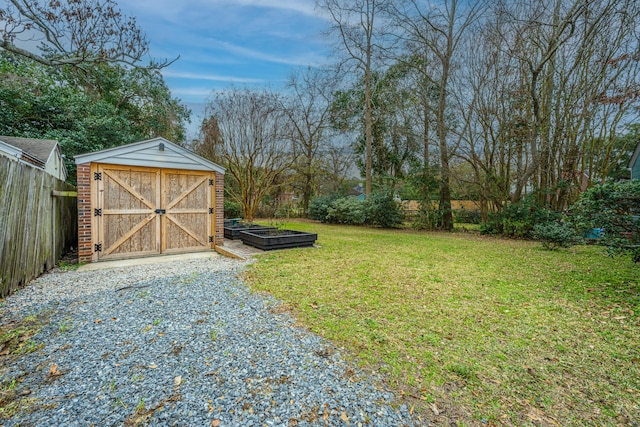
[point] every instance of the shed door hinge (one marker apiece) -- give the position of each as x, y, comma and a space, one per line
212, 182
97, 176
97, 247
210, 239
97, 212
210, 211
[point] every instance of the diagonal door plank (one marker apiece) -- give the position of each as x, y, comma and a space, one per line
130, 233
186, 193
186, 230
129, 189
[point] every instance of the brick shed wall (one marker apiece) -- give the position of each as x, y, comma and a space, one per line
85, 252
219, 209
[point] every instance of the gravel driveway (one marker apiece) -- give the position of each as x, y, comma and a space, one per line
184, 343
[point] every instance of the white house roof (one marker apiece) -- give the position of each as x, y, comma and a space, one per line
157, 153
36, 151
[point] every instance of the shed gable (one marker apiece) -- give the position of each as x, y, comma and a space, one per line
155, 153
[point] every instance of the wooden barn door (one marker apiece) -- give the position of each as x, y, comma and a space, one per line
187, 221
146, 211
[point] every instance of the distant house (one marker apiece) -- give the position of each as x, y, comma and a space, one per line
44, 154
634, 163
357, 192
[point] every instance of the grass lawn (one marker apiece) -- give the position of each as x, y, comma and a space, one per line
473, 330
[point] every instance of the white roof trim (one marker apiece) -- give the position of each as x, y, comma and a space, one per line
129, 155
11, 150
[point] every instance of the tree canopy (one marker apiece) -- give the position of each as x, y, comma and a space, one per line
108, 107
78, 32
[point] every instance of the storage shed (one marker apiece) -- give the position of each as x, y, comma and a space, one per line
147, 198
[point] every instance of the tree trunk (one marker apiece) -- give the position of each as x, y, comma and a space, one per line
368, 125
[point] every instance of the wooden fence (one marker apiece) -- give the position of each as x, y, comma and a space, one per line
38, 223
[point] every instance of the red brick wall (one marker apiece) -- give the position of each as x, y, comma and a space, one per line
85, 251
219, 209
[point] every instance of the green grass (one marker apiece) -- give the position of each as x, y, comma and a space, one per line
488, 330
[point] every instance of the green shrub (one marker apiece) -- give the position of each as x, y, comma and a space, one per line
347, 210
518, 219
614, 207
382, 210
319, 207
232, 209
428, 217
554, 235
467, 216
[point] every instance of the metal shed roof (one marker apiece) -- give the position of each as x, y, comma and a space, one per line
156, 152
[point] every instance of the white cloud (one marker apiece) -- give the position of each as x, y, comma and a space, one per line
209, 77
192, 91
297, 60
301, 6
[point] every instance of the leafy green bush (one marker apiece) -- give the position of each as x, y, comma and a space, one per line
382, 210
518, 219
614, 207
467, 216
232, 209
319, 207
428, 217
347, 210
554, 235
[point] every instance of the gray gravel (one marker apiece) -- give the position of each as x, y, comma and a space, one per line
185, 344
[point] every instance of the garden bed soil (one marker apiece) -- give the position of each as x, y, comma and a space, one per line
277, 239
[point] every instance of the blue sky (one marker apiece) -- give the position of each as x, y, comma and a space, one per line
224, 42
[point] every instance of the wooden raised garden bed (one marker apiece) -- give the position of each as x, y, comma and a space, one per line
232, 231
277, 239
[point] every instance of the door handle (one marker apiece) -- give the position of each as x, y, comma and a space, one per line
161, 211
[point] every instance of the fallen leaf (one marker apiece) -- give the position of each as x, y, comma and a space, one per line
215, 423
177, 380
114, 318
5, 350
344, 417
620, 317
152, 366
97, 321
434, 408
53, 370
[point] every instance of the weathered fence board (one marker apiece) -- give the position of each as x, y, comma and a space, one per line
38, 223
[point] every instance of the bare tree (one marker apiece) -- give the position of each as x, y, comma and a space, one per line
435, 31
249, 129
72, 33
573, 66
337, 162
308, 107
355, 23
